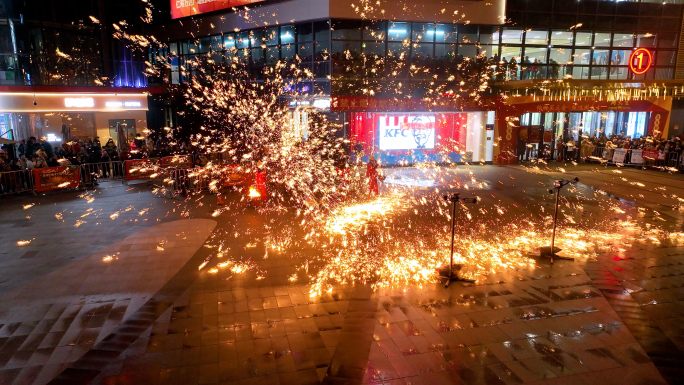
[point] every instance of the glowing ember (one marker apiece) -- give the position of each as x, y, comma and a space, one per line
25, 242
253, 193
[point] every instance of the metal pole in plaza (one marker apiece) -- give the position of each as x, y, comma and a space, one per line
448, 273
555, 221
550, 252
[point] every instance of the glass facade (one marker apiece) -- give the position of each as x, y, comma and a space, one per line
553, 54
383, 58
343, 55
591, 39
43, 44
307, 45
592, 123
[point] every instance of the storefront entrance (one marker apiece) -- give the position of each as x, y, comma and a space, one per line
567, 120
414, 137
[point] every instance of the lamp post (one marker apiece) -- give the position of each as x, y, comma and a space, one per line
550, 252
447, 272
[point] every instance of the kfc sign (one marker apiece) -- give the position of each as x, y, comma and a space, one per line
183, 8
401, 132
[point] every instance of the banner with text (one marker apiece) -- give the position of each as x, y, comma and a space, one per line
180, 161
53, 178
636, 157
619, 155
649, 155
183, 8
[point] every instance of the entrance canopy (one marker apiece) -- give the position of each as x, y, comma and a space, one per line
572, 89
570, 107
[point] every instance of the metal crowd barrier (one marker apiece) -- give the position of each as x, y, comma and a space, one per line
637, 158
174, 181
16, 182
92, 173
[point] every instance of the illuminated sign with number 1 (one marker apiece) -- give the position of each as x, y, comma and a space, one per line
640, 61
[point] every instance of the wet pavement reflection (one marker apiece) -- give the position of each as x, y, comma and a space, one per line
612, 318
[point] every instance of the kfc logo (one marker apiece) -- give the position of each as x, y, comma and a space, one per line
400, 132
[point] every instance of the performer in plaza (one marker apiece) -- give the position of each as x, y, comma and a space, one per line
373, 176
260, 181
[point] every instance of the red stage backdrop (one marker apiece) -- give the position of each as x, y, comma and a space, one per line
183, 8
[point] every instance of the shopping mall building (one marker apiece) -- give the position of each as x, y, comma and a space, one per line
584, 67
60, 70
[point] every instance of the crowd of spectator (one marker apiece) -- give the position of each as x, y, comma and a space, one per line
603, 147
38, 153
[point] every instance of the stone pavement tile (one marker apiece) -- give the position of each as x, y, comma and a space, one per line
441, 378
595, 359
401, 367
638, 374
383, 370
305, 377
285, 363
429, 362
568, 380
7, 376
532, 369
458, 359
673, 328
47, 373
565, 364
28, 375
389, 348
480, 375
504, 374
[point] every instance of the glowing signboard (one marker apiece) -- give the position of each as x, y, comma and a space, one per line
183, 8
402, 132
79, 102
640, 61
127, 104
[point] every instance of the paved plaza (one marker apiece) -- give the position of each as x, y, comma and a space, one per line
111, 287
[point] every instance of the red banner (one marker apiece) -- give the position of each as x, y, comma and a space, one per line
141, 168
183, 8
371, 104
656, 124
54, 178
180, 161
650, 154
522, 106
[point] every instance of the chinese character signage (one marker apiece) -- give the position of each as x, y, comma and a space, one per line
372, 104
183, 8
407, 132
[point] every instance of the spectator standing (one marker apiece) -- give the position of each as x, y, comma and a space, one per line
513, 69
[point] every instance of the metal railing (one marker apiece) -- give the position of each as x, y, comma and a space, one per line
174, 181
93, 173
175, 178
16, 182
635, 157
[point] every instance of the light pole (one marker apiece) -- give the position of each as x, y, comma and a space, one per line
447, 272
550, 252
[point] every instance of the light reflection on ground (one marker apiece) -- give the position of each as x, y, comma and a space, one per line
402, 237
